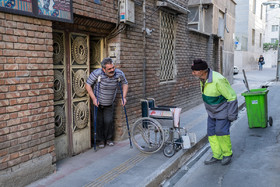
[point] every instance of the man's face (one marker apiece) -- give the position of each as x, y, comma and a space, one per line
197, 74
109, 70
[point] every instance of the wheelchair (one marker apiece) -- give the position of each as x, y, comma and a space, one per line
158, 128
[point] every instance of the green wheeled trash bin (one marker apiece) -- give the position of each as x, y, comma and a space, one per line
256, 104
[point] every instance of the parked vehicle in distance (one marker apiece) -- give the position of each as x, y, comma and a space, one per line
235, 70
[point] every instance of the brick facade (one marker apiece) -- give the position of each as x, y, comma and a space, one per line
105, 11
26, 94
184, 91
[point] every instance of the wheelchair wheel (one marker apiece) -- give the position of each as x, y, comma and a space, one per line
147, 135
169, 150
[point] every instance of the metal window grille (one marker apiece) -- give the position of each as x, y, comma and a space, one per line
167, 46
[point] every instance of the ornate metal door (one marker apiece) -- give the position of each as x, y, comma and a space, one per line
60, 96
71, 69
79, 67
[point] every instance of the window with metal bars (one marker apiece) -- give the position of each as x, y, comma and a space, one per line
167, 47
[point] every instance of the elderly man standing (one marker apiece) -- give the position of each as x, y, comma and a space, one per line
107, 90
221, 105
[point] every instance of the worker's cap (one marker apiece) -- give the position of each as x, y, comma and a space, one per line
199, 64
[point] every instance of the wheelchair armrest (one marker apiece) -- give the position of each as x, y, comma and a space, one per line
161, 117
167, 107
160, 113
160, 108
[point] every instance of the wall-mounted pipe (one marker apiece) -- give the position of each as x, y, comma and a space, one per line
144, 49
226, 21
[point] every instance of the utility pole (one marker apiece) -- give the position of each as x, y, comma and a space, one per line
278, 55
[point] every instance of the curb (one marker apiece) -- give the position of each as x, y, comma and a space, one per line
174, 163
177, 161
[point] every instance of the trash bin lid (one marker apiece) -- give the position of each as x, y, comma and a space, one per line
260, 91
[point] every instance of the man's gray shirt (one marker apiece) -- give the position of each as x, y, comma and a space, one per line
108, 86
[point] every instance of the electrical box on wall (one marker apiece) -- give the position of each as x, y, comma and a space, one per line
127, 14
114, 52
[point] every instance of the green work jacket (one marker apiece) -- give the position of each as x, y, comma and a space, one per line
219, 98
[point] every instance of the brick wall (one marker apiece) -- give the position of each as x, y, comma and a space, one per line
105, 11
183, 92
26, 94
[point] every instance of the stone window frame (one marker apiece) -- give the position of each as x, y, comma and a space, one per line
274, 28
193, 20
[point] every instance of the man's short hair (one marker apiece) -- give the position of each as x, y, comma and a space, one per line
106, 61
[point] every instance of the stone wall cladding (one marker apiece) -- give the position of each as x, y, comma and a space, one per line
26, 94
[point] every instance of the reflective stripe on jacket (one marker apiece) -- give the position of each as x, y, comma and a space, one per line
219, 98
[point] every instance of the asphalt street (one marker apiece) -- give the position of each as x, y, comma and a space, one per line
256, 153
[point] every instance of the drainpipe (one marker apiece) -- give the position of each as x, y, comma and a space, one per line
144, 49
226, 21
210, 51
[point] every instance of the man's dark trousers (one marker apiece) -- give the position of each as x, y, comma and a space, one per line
105, 123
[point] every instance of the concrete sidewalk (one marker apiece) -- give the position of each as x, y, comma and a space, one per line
121, 166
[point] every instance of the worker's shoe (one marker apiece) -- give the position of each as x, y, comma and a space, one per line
226, 160
211, 161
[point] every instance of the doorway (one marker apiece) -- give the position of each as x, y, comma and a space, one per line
75, 56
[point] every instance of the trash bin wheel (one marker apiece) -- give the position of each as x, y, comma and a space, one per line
270, 120
169, 150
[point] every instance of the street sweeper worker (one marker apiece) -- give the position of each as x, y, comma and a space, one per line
105, 93
221, 105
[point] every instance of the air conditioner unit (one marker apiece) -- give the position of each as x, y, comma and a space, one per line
127, 14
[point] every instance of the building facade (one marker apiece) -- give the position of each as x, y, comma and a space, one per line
249, 33
216, 20
271, 37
